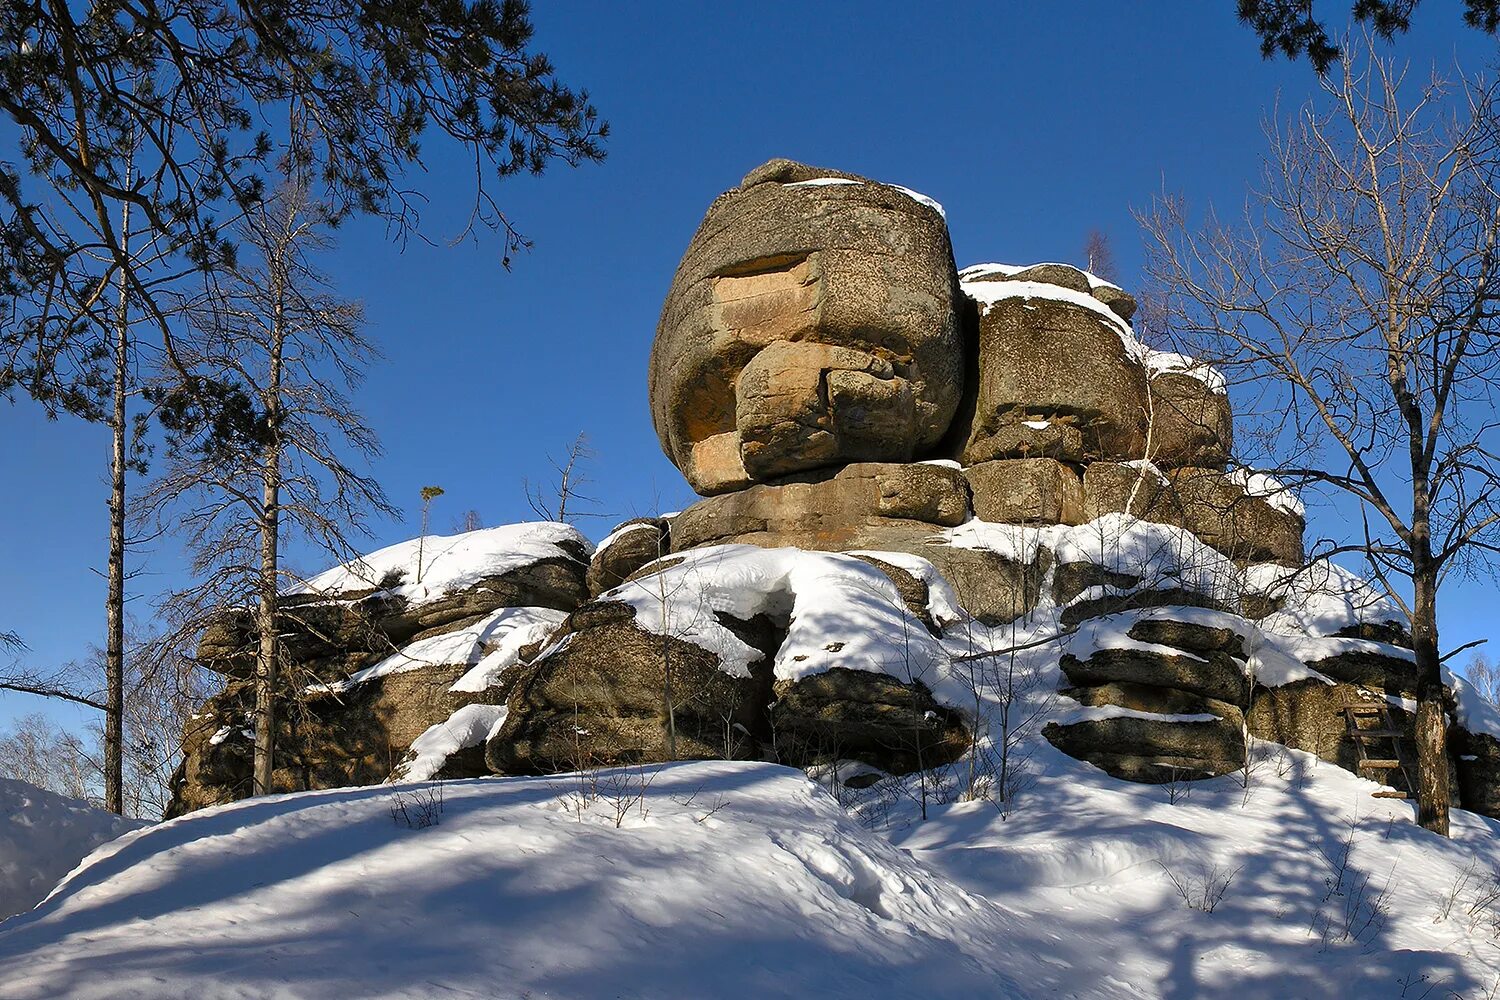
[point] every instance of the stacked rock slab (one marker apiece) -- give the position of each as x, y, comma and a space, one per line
1184, 688
332, 733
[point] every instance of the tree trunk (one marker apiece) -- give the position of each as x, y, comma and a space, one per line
1432, 720
114, 600
268, 583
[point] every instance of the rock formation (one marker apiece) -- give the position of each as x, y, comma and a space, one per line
903, 466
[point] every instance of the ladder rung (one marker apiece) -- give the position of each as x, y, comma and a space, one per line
1380, 765
1391, 793
1364, 712
1374, 734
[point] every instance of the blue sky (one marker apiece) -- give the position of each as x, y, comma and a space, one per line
1033, 123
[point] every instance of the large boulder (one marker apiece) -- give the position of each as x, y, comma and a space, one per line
870, 717
847, 287
1217, 675
1050, 358
1476, 758
1026, 491
372, 652
325, 738
1165, 735
1189, 417
874, 506
1218, 507
1309, 715
625, 550
599, 699
829, 510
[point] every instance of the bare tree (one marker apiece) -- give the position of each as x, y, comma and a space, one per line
1099, 258
560, 499
274, 331
469, 520
1357, 304
159, 694
1484, 677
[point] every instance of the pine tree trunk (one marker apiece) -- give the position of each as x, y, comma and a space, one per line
1432, 789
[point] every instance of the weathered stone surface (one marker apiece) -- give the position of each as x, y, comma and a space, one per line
1071, 579
1152, 750
599, 701
894, 508
1477, 759
992, 587
324, 740
827, 511
864, 716
1308, 715
1190, 424
1026, 491
1192, 637
1147, 597
1043, 359
1120, 302
1052, 439
1207, 502
1366, 665
636, 543
328, 640
1133, 488
853, 284
339, 737
805, 405
1215, 675
1219, 511
1158, 700
1062, 275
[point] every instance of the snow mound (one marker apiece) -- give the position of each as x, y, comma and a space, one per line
450, 562
1327, 892
43, 836
1320, 600
710, 879
841, 611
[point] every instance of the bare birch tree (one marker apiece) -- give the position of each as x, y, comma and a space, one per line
274, 330
1355, 306
561, 499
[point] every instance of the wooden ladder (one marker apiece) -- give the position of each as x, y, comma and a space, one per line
1393, 757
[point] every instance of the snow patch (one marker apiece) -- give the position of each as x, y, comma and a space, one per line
468, 727
841, 611
510, 631
449, 562
1269, 489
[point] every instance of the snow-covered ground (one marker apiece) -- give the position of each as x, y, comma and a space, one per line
747, 880
717, 879
42, 837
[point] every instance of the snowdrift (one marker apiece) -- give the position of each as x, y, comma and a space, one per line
42, 837
746, 880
